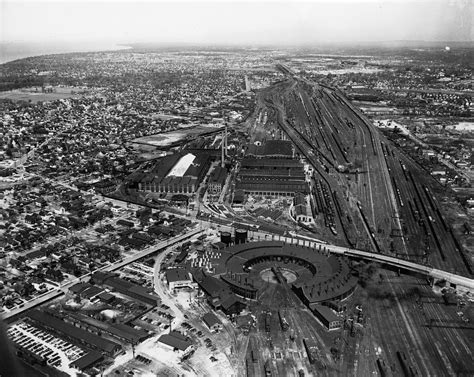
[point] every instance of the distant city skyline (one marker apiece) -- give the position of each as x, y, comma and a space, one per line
236, 22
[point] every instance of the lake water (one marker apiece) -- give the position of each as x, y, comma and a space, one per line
13, 51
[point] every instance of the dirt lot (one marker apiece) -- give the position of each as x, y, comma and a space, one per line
167, 138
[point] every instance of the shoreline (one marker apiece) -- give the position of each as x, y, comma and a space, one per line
25, 51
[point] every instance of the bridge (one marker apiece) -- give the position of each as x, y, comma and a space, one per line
458, 280
462, 283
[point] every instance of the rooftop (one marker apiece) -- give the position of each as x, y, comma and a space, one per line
218, 175
175, 341
325, 312
69, 330
280, 148
210, 319
271, 163
176, 274
182, 165
87, 360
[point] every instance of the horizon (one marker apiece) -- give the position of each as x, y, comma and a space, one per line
249, 45
237, 23
11, 51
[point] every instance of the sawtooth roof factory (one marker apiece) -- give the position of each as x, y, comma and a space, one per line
271, 177
270, 170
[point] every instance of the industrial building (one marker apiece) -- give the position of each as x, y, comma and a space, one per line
179, 278
212, 322
217, 181
57, 325
179, 174
301, 210
320, 278
238, 199
241, 286
86, 290
125, 287
326, 316
219, 294
232, 305
37, 345
87, 360
120, 331
271, 177
177, 342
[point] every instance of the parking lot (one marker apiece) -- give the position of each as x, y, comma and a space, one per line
57, 352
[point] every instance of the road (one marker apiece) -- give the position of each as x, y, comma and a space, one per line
405, 131
112, 267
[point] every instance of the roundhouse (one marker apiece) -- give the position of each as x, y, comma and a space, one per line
317, 277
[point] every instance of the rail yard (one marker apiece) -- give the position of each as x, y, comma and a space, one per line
292, 238
362, 185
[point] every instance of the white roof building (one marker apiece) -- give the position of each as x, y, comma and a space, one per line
182, 165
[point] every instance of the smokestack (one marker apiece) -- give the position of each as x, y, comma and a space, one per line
225, 139
222, 150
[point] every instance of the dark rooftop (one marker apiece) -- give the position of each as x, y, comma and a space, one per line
270, 163
325, 312
176, 274
87, 360
175, 341
79, 287
210, 319
72, 331
272, 148
218, 175
212, 286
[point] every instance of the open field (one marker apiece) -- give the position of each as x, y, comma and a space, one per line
167, 138
36, 95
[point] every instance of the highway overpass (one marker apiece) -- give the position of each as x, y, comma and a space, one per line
461, 282
14, 313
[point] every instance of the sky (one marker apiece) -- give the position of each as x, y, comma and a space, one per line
236, 22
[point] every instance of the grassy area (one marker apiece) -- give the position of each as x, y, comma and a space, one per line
36, 95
